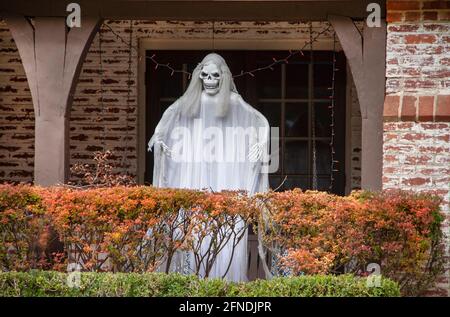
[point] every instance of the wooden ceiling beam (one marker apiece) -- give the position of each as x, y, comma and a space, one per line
197, 10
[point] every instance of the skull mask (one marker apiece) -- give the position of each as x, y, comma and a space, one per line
211, 76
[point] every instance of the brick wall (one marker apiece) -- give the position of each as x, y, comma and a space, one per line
104, 110
417, 104
16, 114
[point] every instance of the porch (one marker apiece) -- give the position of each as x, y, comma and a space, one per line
103, 96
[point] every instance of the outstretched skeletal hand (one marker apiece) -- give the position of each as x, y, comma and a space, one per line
255, 153
166, 150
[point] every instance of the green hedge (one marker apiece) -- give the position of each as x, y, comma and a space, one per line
54, 284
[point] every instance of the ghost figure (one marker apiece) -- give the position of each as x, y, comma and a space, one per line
210, 138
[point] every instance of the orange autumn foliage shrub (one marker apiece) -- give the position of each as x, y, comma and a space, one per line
402, 232
141, 228
316, 230
25, 236
127, 229
220, 221
322, 233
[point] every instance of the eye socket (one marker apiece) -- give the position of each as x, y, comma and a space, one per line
203, 74
216, 75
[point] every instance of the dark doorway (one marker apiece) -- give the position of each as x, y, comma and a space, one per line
290, 96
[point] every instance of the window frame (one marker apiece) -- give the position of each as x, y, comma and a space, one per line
249, 58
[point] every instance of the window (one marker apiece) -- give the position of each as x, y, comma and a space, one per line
293, 97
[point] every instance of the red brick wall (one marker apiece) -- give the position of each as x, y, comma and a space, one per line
104, 109
92, 127
417, 104
16, 114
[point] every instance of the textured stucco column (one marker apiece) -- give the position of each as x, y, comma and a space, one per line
51, 150
366, 55
52, 56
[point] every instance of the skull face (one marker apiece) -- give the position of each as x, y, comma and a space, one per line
211, 76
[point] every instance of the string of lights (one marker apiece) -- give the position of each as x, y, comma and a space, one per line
333, 102
275, 62
129, 72
291, 54
102, 135
313, 117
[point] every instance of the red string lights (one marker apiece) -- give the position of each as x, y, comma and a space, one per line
251, 73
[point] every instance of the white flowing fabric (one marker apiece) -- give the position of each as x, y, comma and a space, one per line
212, 152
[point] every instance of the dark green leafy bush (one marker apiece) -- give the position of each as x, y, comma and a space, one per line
54, 284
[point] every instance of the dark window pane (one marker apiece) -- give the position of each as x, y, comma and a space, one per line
322, 80
275, 181
296, 182
275, 154
191, 66
296, 123
269, 83
322, 115
296, 157
297, 81
323, 183
170, 86
323, 157
165, 105
272, 112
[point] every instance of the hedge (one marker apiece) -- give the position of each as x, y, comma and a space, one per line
139, 229
93, 284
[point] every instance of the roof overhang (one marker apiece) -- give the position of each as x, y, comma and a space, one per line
231, 10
